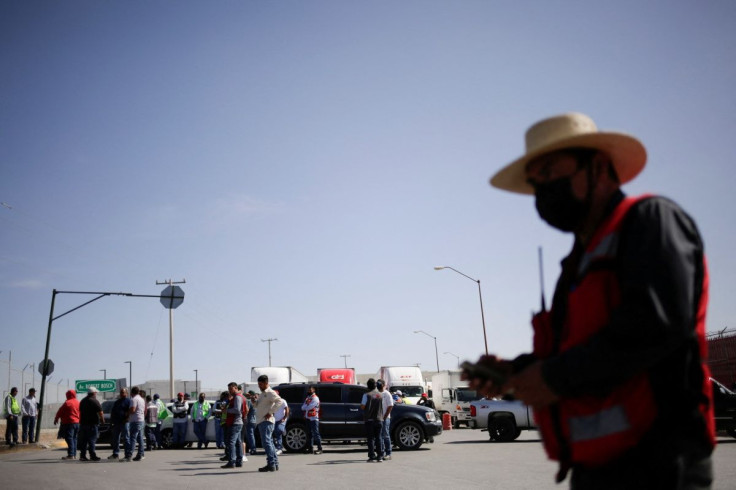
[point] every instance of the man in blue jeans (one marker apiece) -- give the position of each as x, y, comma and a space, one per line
268, 403
251, 423
136, 420
180, 409
388, 405
234, 424
310, 408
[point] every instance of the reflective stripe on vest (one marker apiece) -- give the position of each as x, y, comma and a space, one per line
604, 423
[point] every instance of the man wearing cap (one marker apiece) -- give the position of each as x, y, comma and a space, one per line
29, 412
268, 404
180, 408
90, 417
617, 377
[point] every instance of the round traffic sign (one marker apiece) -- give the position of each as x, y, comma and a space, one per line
46, 368
172, 297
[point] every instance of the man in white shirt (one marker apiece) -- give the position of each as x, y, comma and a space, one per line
29, 412
136, 420
388, 405
268, 404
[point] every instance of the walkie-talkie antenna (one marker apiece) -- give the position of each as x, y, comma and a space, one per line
541, 279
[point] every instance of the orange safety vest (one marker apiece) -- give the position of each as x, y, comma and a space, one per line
312, 412
592, 430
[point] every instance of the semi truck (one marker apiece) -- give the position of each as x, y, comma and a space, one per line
452, 395
407, 379
277, 375
336, 375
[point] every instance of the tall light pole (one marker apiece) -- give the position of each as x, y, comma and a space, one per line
104, 373
171, 305
130, 372
269, 348
482, 315
454, 355
345, 358
196, 381
436, 355
23, 378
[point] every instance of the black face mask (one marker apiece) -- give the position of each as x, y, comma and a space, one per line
557, 205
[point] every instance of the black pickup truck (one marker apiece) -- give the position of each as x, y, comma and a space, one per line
724, 403
341, 418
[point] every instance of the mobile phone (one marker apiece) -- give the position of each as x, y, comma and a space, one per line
473, 370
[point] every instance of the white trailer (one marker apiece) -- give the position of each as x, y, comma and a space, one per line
407, 379
277, 374
451, 394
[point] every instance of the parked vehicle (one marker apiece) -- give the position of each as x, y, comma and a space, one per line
277, 375
167, 428
407, 379
724, 403
336, 375
503, 419
341, 418
452, 395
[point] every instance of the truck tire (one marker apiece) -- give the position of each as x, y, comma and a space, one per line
502, 429
408, 435
295, 438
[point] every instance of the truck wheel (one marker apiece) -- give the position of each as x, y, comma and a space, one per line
408, 435
295, 439
167, 438
502, 429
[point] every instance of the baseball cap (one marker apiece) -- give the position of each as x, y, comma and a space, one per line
92, 389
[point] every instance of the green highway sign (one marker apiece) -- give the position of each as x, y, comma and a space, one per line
105, 385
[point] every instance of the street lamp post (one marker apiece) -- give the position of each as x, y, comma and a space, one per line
454, 355
130, 372
104, 373
482, 315
345, 358
436, 355
196, 381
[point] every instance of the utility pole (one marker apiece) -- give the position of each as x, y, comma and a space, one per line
171, 338
269, 348
345, 357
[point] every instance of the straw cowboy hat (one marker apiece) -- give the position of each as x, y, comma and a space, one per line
572, 130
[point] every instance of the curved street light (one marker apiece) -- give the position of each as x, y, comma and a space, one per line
454, 355
482, 315
436, 356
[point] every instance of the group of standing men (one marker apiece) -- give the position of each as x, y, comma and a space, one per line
27, 410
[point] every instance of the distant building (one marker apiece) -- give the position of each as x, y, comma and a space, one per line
722, 356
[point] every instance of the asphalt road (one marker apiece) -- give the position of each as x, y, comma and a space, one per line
461, 458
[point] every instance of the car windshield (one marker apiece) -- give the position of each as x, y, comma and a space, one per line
467, 395
408, 390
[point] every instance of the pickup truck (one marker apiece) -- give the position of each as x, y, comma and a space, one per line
503, 419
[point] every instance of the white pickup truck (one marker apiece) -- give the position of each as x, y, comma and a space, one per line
503, 419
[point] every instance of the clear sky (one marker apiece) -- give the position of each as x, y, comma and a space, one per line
305, 165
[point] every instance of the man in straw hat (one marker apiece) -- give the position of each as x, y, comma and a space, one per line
617, 377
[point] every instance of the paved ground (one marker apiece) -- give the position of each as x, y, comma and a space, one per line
458, 459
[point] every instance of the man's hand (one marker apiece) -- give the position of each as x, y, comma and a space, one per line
485, 385
529, 387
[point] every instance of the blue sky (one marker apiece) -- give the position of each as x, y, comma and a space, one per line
305, 165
